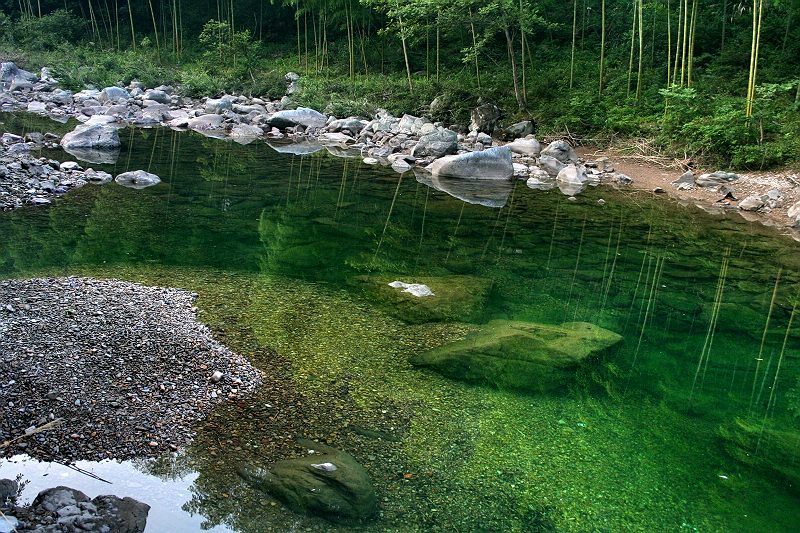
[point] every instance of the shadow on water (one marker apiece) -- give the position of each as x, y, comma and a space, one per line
690, 424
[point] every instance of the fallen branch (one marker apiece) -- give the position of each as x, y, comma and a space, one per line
44, 427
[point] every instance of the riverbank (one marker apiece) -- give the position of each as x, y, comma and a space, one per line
486, 149
98, 369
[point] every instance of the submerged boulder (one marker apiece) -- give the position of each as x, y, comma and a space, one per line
302, 116
445, 298
494, 163
329, 483
520, 355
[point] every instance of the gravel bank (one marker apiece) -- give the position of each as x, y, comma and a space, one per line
127, 368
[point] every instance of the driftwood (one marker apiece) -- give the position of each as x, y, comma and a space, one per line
44, 427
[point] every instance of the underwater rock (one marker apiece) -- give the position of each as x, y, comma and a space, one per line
94, 155
490, 193
778, 451
453, 298
330, 483
519, 355
296, 148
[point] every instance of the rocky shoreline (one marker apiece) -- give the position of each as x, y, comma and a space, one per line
487, 149
97, 369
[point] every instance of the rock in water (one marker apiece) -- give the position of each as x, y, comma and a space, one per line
520, 355
437, 143
302, 116
330, 483
529, 146
494, 163
137, 179
414, 289
98, 136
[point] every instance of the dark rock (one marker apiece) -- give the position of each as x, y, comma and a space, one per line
484, 118
330, 483
519, 129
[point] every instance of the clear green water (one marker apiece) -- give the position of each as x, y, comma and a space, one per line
285, 252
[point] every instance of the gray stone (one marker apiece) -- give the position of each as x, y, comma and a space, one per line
572, 180
685, 182
97, 136
246, 131
302, 116
754, 202
493, 163
436, 144
551, 165
137, 179
341, 491
219, 105
562, 151
529, 147
205, 122
715, 179
113, 94
519, 129
157, 96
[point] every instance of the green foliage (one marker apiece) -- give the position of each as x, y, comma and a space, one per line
45, 33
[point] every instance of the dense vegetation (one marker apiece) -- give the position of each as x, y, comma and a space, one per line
716, 79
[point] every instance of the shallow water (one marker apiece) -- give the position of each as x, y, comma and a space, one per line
691, 424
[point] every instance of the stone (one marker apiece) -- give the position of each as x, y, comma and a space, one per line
523, 356
572, 180
715, 179
340, 492
520, 170
105, 156
205, 122
113, 94
120, 515
37, 107
100, 119
438, 143
541, 183
493, 163
157, 96
411, 125
219, 105
685, 182
794, 212
488, 193
551, 165
335, 138
302, 116
97, 176
137, 179
484, 118
354, 125
97, 136
562, 151
754, 202
434, 298
519, 129
529, 147
483, 138
245, 132
8, 491
66, 166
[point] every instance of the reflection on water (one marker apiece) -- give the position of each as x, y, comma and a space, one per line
690, 425
167, 494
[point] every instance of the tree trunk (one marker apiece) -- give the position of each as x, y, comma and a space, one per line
511, 55
602, 44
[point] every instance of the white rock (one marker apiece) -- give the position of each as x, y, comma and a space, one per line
415, 289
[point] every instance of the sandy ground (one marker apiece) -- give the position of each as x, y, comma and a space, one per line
649, 176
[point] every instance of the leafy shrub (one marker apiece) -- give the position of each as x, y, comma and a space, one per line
49, 31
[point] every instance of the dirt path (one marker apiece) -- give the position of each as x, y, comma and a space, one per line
649, 176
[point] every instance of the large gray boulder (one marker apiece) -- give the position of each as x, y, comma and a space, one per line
562, 151
519, 129
137, 179
551, 165
219, 105
11, 75
72, 510
438, 143
302, 116
330, 483
523, 356
352, 124
494, 163
715, 179
572, 180
96, 136
206, 122
113, 94
484, 118
157, 95
529, 147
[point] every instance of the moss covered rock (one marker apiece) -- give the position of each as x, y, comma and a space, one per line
777, 451
329, 483
520, 355
455, 298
